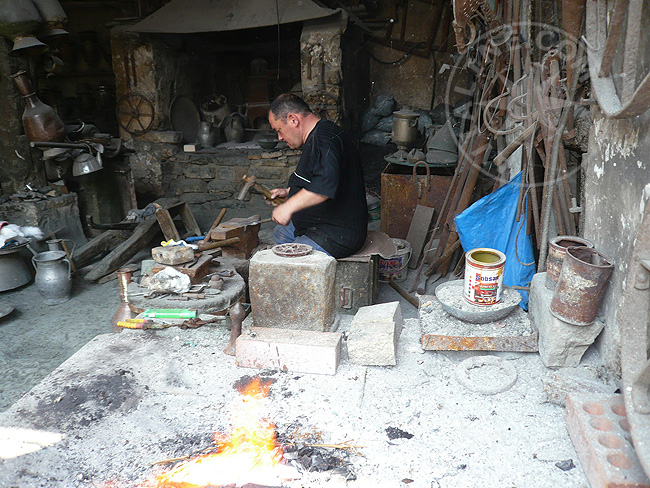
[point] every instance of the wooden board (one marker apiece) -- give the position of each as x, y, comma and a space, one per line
418, 230
196, 270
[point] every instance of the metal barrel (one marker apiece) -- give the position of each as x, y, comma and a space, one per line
556, 250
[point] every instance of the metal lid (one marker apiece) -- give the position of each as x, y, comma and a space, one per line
406, 113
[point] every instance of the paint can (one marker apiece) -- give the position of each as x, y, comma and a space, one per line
484, 276
556, 250
580, 288
396, 265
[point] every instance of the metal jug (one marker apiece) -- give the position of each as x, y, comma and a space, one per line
234, 127
60, 245
52, 276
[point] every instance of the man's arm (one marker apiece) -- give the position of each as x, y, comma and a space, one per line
303, 199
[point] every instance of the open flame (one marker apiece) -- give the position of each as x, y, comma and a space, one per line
250, 454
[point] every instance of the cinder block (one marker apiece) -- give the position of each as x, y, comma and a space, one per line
299, 351
292, 292
600, 433
560, 344
374, 333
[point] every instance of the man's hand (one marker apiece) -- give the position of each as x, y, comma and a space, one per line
301, 200
277, 193
282, 214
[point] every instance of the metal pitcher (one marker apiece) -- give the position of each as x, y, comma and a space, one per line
52, 276
60, 245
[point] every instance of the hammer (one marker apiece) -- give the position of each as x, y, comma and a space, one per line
251, 182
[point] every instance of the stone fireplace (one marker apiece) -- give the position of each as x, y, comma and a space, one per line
248, 67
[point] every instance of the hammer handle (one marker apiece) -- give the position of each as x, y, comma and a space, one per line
212, 245
265, 192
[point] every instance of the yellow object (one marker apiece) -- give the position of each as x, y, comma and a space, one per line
166, 243
129, 325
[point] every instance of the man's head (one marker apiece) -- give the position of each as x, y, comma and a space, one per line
292, 119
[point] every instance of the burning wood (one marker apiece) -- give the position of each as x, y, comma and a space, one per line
250, 454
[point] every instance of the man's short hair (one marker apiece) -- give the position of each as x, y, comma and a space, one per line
288, 103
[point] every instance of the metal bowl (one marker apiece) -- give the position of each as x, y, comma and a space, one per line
268, 143
475, 314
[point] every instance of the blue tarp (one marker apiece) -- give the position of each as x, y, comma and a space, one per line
491, 222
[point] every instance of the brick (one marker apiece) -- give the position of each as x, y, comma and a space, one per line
374, 333
600, 433
299, 351
269, 173
271, 155
292, 292
560, 344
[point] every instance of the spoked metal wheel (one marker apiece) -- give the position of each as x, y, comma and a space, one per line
135, 113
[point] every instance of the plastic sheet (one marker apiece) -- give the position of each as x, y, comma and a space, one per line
491, 222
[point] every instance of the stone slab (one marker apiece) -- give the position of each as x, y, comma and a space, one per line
162, 137
560, 344
600, 433
443, 332
574, 381
172, 255
298, 351
292, 292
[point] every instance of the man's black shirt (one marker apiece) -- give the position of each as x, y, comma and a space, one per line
330, 166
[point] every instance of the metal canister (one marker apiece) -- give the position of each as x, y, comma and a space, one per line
581, 285
405, 127
484, 276
556, 250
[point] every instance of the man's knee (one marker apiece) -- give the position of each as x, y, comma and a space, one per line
283, 234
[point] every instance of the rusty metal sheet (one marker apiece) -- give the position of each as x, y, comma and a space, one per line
442, 332
401, 193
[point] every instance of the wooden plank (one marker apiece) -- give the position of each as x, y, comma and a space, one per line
417, 233
167, 225
190, 223
98, 245
141, 237
195, 270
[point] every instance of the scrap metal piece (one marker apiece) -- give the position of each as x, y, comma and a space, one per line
635, 98
292, 250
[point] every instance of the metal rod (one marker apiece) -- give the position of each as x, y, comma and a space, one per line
555, 151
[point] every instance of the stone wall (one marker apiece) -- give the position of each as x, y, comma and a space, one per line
617, 189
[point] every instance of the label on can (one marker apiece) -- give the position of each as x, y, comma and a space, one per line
484, 276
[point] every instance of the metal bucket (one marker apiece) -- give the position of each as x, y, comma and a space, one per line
581, 285
556, 250
484, 276
395, 267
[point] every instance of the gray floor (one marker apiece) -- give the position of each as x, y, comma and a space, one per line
464, 438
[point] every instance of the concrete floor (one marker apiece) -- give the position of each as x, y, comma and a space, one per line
462, 438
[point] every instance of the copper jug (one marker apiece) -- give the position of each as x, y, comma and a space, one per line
40, 121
